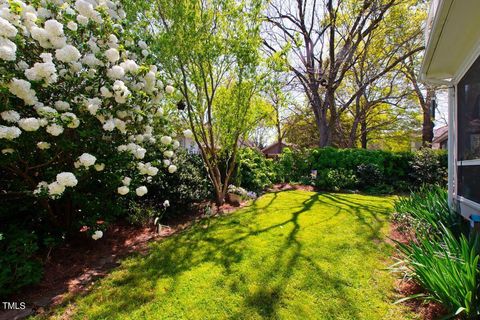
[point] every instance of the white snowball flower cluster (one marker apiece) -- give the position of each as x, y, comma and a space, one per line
42, 145
29, 124
9, 133
141, 191
97, 235
68, 54
188, 133
67, 179
10, 116
8, 48
147, 169
86, 160
22, 89
56, 188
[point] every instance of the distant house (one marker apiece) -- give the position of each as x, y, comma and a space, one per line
440, 138
452, 58
275, 149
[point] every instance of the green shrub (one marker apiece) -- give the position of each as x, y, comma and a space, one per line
183, 189
336, 179
429, 167
376, 170
254, 172
18, 267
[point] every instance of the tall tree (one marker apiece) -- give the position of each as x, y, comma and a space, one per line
207, 45
321, 41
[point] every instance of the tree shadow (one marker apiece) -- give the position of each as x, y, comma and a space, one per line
227, 243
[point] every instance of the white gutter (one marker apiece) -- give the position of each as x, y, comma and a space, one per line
440, 17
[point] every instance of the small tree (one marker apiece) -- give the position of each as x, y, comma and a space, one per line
208, 47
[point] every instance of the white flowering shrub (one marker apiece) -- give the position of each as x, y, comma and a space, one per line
80, 107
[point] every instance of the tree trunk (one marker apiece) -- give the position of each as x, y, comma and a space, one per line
364, 134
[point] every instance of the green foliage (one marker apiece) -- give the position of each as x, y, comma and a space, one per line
374, 170
426, 211
336, 179
254, 172
448, 270
18, 267
440, 257
429, 167
189, 185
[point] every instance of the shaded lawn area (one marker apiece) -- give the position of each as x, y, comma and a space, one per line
289, 255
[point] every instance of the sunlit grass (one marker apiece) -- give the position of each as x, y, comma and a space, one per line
289, 255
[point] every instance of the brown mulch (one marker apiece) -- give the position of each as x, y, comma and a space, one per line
406, 287
73, 268
287, 186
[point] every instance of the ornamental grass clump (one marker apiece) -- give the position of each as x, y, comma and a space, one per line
442, 256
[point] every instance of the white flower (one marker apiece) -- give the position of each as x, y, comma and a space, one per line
166, 203
22, 65
112, 55
142, 44
129, 66
166, 162
42, 71
105, 92
8, 151
109, 125
152, 171
53, 28
55, 188
116, 72
126, 181
67, 54
8, 50
42, 145
22, 89
97, 235
166, 140
40, 187
10, 116
188, 133
172, 168
91, 61
176, 144
71, 119
72, 26
168, 154
169, 89
93, 105
141, 191
55, 129
29, 124
87, 160
7, 29
9, 133
121, 91
123, 190
82, 20
99, 166
62, 105
67, 179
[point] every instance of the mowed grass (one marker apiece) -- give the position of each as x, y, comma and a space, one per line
289, 255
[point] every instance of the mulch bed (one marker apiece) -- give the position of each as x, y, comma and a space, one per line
73, 268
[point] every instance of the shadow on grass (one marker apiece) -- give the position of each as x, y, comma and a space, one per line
230, 241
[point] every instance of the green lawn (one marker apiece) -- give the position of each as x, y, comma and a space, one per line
289, 255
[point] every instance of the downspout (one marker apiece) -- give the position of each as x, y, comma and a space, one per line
451, 146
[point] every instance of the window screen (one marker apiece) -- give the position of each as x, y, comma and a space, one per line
469, 114
468, 143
